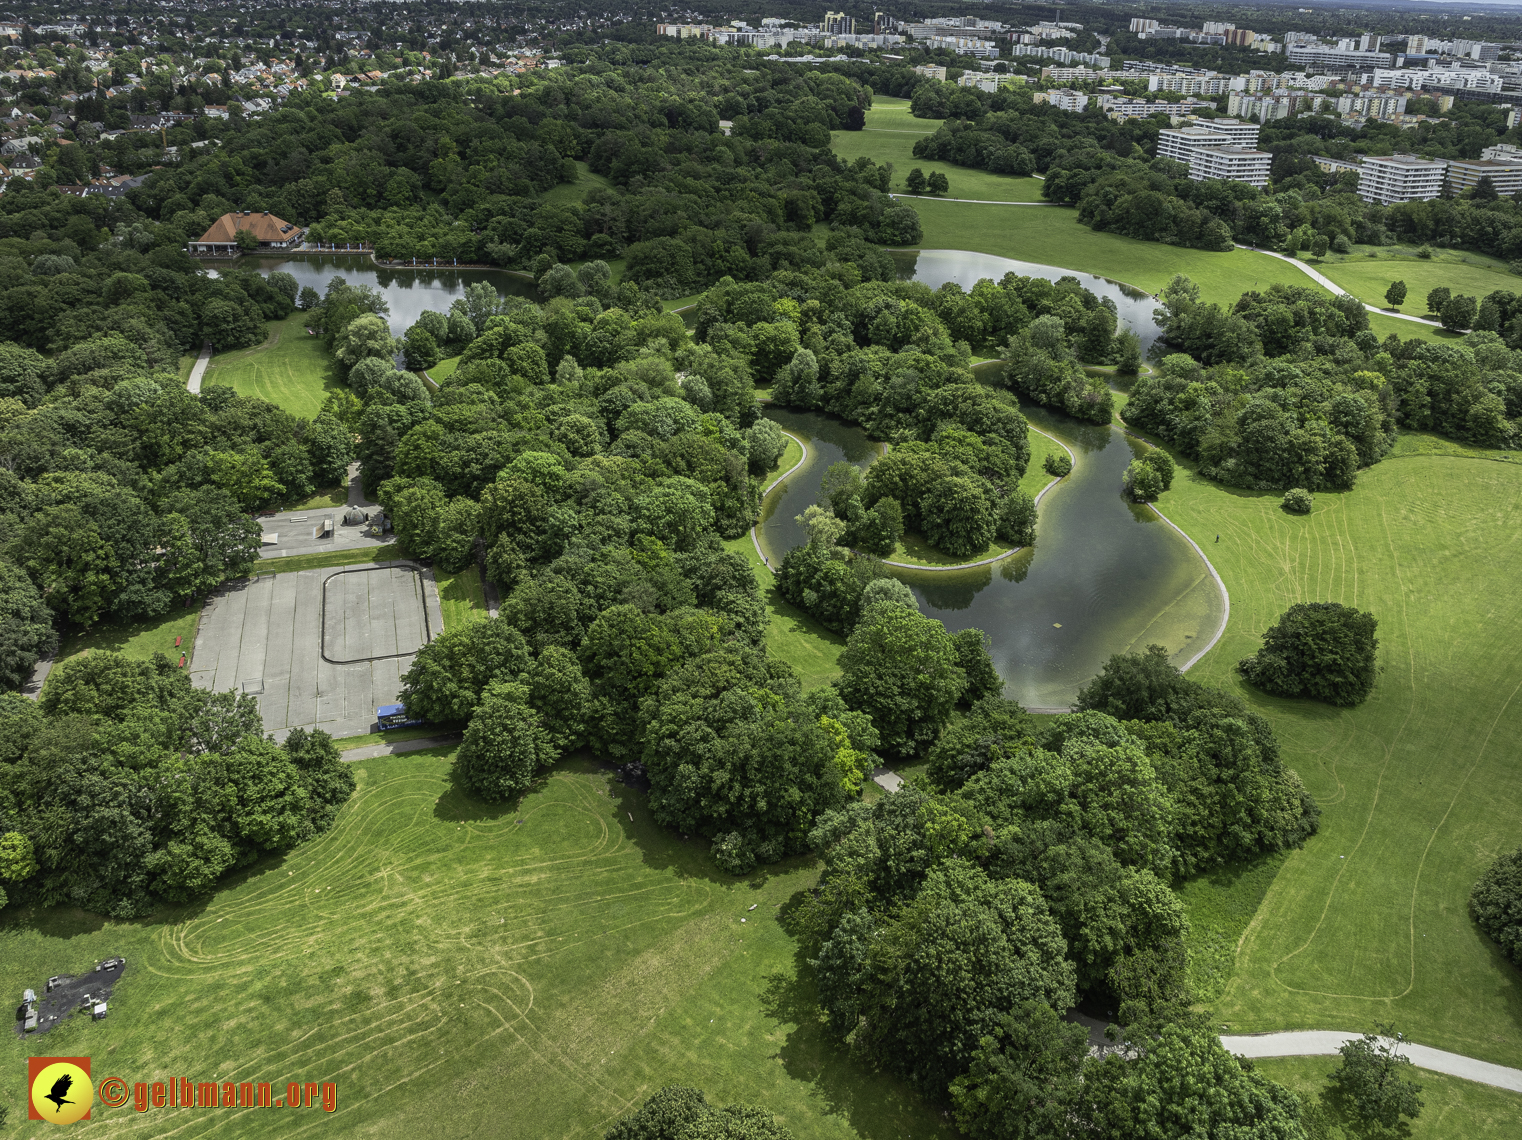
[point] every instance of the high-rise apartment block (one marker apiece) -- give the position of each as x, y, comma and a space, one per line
1391, 179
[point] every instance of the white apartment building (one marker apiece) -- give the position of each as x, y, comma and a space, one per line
1373, 106
1325, 57
1400, 178
1505, 175
1231, 163
1180, 143
1239, 133
1502, 152
1064, 99
1190, 84
1139, 25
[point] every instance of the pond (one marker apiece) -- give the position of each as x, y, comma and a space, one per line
408, 291
935, 267
1106, 575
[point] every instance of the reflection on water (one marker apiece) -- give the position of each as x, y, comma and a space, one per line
1106, 576
935, 267
407, 291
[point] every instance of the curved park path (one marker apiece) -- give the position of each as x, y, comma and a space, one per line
1325, 1043
1328, 283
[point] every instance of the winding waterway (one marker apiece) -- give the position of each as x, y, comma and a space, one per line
1105, 576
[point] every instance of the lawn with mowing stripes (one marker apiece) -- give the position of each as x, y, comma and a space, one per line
1419, 786
291, 369
532, 970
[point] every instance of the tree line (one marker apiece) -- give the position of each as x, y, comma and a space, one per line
1288, 387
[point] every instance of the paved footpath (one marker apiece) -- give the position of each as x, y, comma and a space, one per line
199, 370
975, 201
1325, 1043
372, 751
1328, 283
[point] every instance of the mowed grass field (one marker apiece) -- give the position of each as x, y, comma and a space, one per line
457, 970
1419, 786
890, 135
1367, 278
291, 368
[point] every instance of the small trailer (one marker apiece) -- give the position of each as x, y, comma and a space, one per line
394, 716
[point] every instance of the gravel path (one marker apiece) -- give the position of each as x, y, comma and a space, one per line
1325, 1043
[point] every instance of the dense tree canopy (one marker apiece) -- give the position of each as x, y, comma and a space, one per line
123, 786
1324, 650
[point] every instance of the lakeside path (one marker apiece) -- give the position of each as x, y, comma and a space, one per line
1326, 1042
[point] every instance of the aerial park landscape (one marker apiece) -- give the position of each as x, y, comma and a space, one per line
748, 626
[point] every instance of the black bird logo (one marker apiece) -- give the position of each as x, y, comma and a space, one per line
60, 1093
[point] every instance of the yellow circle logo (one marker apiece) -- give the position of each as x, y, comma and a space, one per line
62, 1093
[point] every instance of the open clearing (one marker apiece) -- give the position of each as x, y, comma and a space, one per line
890, 135
291, 369
457, 972
318, 648
1419, 785
1367, 278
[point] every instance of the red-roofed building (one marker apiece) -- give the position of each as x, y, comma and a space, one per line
270, 231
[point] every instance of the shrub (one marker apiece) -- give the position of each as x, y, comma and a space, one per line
1324, 650
1425, 252
1297, 500
1143, 482
1341, 244
1497, 904
1058, 463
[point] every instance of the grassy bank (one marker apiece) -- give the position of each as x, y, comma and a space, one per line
1367, 278
1055, 237
462, 597
291, 368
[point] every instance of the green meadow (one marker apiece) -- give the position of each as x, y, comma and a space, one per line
457, 970
1418, 786
1367, 278
1452, 1109
1055, 237
291, 368
890, 135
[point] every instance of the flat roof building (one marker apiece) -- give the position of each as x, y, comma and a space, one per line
1231, 163
1389, 180
1505, 175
